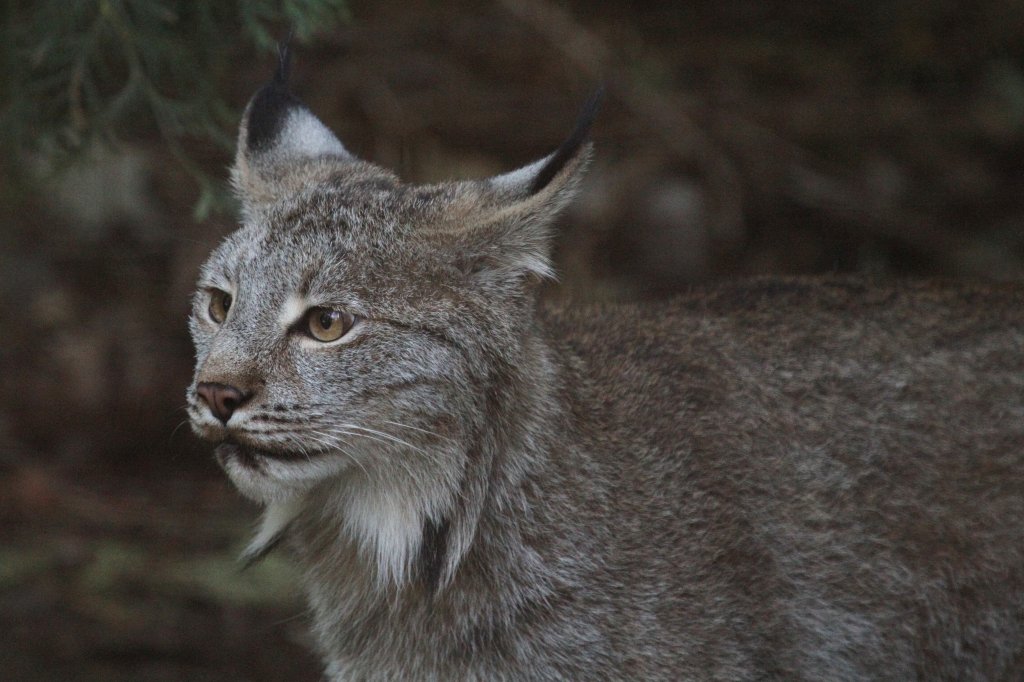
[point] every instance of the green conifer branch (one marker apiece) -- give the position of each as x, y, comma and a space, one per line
73, 74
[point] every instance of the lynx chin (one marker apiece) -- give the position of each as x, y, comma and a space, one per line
786, 479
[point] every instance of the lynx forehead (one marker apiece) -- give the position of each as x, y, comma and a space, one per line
778, 479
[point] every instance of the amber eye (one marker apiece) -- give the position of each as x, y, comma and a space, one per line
326, 325
220, 304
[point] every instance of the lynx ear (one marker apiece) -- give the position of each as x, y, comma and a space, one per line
276, 131
514, 237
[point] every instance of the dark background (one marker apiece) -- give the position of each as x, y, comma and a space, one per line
738, 138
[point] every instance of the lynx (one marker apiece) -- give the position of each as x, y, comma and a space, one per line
794, 479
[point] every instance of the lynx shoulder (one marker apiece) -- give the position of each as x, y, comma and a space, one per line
783, 478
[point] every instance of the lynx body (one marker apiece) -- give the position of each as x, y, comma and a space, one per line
777, 479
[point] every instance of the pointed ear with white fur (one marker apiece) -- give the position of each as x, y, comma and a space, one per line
277, 131
513, 236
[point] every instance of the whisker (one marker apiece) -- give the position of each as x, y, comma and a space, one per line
345, 429
413, 477
334, 443
176, 429
416, 428
388, 436
388, 439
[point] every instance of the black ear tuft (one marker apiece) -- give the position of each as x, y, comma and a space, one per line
271, 104
284, 60
567, 150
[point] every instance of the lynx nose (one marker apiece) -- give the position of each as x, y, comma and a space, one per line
222, 399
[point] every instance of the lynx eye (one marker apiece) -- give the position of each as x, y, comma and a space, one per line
220, 304
327, 325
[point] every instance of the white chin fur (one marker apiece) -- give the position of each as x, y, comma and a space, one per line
382, 514
267, 480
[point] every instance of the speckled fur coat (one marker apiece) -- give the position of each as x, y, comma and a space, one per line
777, 479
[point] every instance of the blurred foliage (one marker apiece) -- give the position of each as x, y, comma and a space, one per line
77, 73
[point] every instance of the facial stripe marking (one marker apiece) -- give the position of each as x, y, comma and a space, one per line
294, 307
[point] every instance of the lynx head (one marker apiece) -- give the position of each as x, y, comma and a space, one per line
362, 336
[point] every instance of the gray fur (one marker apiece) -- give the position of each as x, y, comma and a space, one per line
783, 479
